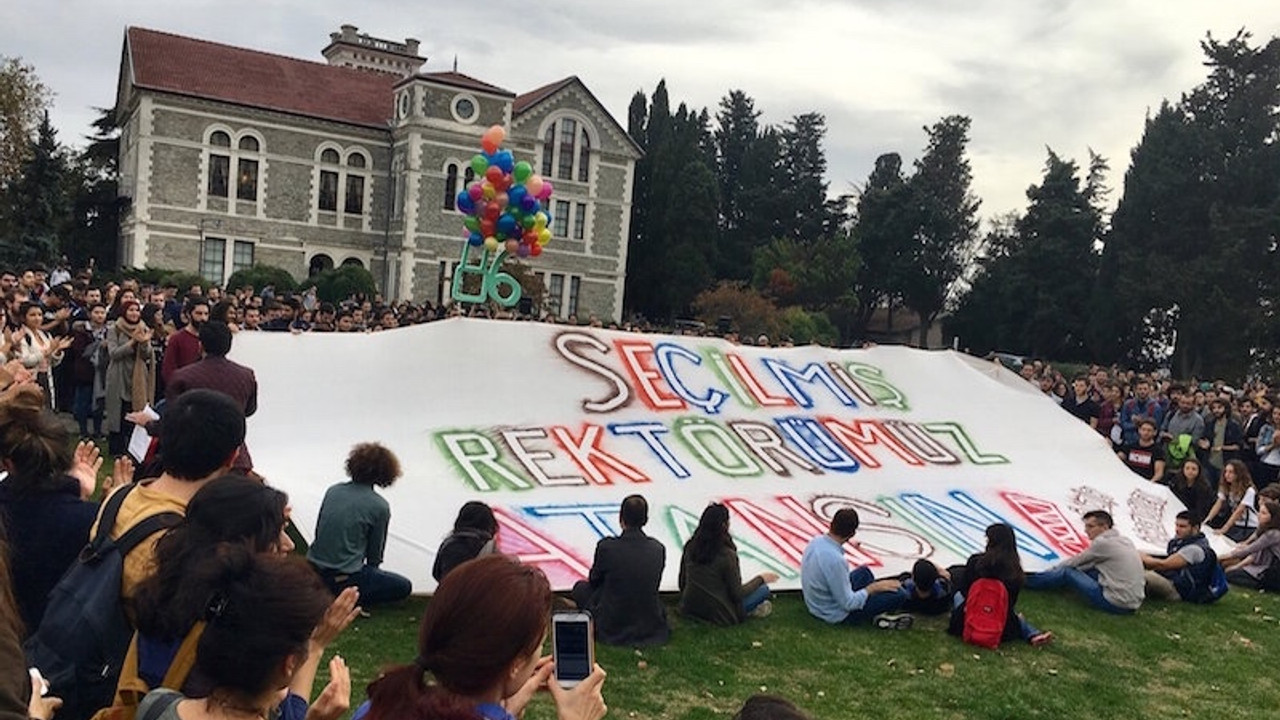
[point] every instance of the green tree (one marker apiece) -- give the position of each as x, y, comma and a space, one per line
94, 191
23, 101
806, 213
885, 223
1190, 258
341, 283
36, 210
260, 276
947, 220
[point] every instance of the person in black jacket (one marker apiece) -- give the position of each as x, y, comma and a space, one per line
475, 532
622, 590
42, 505
999, 561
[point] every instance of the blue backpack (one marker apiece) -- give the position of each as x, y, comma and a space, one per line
84, 635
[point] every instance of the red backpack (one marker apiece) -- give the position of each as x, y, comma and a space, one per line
985, 611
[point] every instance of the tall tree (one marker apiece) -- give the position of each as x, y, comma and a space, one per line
95, 200
23, 100
947, 220
885, 227
804, 187
36, 210
1192, 239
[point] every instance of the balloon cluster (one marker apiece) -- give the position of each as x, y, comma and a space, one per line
506, 205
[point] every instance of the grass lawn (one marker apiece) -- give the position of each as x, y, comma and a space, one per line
1168, 661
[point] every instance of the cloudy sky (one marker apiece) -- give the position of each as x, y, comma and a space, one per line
1067, 74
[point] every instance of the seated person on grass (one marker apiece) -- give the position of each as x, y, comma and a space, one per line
1184, 573
621, 591
835, 595
1108, 573
929, 589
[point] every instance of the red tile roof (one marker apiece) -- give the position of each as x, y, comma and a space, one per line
198, 68
457, 79
533, 97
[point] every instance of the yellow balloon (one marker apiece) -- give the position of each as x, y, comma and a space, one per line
544, 236
488, 192
491, 244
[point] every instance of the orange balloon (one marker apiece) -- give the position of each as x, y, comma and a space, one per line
492, 139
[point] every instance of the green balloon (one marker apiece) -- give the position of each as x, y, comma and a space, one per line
479, 164
523, 171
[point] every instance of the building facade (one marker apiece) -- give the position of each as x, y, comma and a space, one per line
233, 157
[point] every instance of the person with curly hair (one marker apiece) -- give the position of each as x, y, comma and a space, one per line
351, 532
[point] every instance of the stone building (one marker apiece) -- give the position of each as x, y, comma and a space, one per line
233, 157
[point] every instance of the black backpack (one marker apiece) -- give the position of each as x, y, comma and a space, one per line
84, 635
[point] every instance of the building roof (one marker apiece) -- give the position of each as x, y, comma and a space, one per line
533, 97
202, 69
459, 80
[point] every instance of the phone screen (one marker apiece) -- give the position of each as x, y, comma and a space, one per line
572, 648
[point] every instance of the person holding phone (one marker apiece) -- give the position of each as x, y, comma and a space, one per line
481, 644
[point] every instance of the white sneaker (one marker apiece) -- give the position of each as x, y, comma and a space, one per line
894, 621
763, 610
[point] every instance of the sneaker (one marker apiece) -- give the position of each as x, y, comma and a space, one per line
763, 610
894, 621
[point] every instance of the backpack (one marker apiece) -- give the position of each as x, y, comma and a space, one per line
986, 609
1204, 582
85, 633
132, 688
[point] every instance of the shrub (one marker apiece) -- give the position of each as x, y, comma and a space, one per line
341, 283
260, 276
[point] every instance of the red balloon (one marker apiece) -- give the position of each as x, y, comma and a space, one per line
494, 175
492, 211
535, 250
487, 227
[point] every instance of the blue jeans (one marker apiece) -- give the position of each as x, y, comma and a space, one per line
876, 604
755, 598
83, 409
376, 586
1083, 582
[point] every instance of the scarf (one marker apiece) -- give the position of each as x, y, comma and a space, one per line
143, 383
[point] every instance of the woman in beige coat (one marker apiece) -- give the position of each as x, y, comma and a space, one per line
131, 376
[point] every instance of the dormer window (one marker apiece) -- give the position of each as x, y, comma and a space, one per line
566, 151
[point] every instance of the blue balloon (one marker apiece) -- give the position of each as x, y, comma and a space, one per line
507, 225
504, 160
476, 239
529, 204
516, 195
465, 203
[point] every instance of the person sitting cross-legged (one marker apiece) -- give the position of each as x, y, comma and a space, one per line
621, 591
835, 595
1108, 573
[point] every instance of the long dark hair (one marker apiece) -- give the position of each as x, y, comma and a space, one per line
35, 443
1000, 560
486, 614
711, 536
231, 508
259, 609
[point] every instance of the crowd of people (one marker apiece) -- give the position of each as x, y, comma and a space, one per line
225, 618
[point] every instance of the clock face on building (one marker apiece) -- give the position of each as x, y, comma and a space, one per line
465, 109
405, 101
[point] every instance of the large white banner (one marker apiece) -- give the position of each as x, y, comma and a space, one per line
553, 426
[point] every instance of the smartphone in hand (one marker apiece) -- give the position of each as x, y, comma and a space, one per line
572, 646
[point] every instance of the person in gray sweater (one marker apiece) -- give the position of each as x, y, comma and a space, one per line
1247, 563
1108, 573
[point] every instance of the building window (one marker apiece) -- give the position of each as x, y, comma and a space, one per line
568, 132
355, 195
247, 180
548, 149
451, 187
574, 282
580, 221
555, 291
347, 179
219, 175
249, 143
560, 223
213, 259
468, 177
328, 190
241, 256
584, 156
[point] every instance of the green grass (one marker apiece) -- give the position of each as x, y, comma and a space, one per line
1168, 661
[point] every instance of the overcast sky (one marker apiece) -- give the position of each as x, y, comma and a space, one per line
1067, 74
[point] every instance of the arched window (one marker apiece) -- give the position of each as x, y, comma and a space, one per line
247, 169
219, 165
451, 187
329, 156
356, 160
584, 156
354, 201
568, 133
346, 178
220, 139
548, 149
